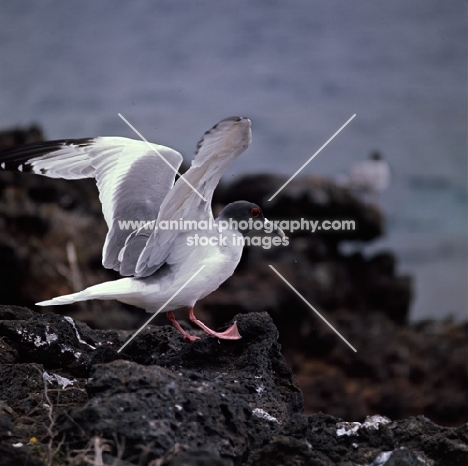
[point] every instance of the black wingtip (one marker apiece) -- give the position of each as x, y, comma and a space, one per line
18, 158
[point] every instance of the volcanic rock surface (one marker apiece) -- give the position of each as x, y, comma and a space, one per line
68, 396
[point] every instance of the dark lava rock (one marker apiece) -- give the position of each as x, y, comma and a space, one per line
310, 197
70, 396
6, 426
19, 136
11, 456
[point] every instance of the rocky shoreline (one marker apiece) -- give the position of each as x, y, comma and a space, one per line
289, 392
66, 393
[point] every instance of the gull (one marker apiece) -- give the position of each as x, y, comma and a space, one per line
164, 269
371, 176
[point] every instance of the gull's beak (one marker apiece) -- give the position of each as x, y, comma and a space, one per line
276, 230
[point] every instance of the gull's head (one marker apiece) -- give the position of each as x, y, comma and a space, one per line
246, 216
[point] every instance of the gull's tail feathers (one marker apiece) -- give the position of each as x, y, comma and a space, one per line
65, 299
118, 289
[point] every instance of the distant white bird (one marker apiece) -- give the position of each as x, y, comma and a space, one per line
370, 177
136, 183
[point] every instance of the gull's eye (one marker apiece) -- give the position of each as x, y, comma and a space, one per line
255, 212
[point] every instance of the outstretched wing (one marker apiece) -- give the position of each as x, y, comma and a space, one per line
216, 151
132, 178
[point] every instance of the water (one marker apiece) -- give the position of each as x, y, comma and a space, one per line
298, 69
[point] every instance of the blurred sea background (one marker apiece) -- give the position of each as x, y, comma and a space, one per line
298, 69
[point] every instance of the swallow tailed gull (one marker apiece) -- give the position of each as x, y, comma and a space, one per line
136, 182
371, 176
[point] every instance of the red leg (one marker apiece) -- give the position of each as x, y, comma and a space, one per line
187, 336
230, 334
